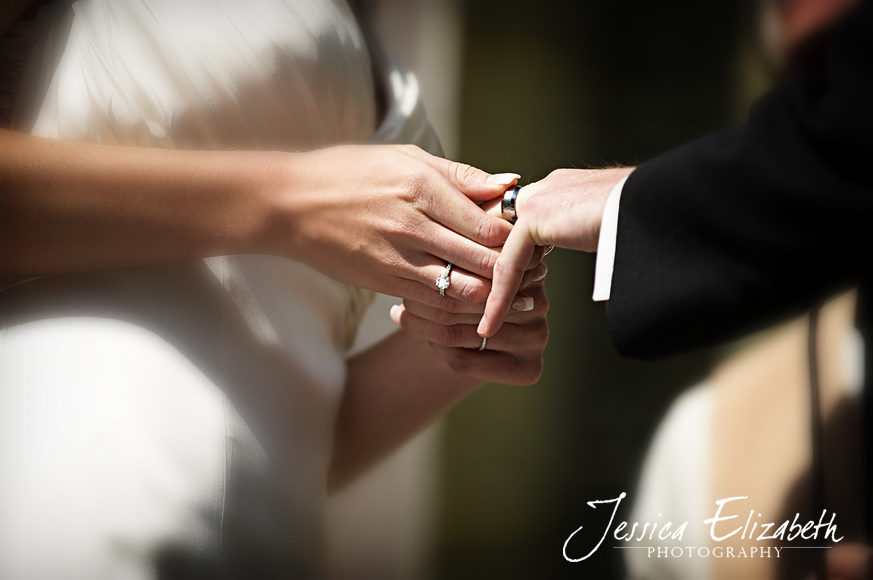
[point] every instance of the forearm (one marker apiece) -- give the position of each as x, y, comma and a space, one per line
393, 391
382, 217
68, 206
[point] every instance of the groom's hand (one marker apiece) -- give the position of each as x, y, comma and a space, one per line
565, 209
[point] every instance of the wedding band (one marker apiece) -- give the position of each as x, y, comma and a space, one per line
507, 206
443, 282
484, 342
548, 250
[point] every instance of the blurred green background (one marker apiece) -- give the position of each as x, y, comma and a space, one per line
551, 84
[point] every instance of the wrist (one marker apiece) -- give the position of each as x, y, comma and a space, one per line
274, 186
608, 198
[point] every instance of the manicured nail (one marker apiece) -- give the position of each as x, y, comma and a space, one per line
523, 303
481, 328
542, 274
502, 178
395, 313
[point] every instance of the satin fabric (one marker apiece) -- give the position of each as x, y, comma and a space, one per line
178, 419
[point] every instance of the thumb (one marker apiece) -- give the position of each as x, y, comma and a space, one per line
476, 184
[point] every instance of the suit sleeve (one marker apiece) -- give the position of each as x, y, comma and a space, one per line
745, 227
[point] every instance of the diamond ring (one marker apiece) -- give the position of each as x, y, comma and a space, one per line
443, 282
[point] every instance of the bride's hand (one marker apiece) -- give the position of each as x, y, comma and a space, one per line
514, 355
389, 218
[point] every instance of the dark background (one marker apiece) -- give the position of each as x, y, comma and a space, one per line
551, 84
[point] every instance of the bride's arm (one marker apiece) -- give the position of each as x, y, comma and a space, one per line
403, 383
67, 207
381, 217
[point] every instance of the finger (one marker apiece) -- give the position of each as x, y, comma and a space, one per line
440, 316
430, 295
471, 256
512, 337
508, 273
449, 207
454, 335
491, 365
525, 307
476, 184
445, 245
531, 277
537, 257
524, 194
463, 285
494, 207
414, 290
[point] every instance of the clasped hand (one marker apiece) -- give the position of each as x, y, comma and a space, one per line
392, 222
565, 209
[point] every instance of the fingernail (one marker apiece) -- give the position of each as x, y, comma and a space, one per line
480, 330
502, 178
523, 303
542, 274
395, 313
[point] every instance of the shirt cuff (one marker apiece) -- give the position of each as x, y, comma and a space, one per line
606, 245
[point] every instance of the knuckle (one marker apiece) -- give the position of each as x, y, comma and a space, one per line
458, 363
473, 291
413, 187
484, 232
462, 172
488, 261
483, 228
450, 304
450, 335
501, 267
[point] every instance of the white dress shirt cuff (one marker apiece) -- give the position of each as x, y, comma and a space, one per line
606, 245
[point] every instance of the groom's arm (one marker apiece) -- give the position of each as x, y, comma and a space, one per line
751, 225
728, 233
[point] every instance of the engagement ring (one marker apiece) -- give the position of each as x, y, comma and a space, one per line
443, 282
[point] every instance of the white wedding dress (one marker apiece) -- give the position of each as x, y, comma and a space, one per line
176, 420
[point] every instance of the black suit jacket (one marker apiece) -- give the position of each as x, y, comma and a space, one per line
751, 225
